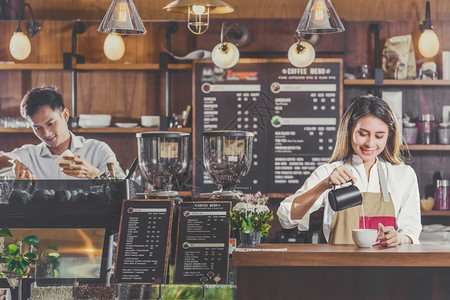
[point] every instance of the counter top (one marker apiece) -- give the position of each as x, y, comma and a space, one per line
321, 255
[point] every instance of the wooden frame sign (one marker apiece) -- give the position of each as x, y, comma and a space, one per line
203, 242
144, 239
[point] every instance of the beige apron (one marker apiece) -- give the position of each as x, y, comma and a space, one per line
378, 208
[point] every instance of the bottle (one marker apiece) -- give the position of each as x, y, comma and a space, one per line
410, 133
426, 129
442, 196
444, 133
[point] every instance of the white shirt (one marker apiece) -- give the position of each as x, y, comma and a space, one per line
41, 162
401, 182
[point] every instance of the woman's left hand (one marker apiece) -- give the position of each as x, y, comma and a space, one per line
387, 236
79, 167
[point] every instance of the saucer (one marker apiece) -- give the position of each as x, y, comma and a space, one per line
126, 125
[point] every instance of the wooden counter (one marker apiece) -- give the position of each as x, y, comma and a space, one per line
323, 271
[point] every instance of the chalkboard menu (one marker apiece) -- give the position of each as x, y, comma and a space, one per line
203, 241
143, 244
293, 112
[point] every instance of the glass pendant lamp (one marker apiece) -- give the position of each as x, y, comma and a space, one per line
320, 17
122, 17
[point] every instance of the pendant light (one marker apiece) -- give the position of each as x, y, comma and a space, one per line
320, 17
428, 40
198, 12
301, 54
19, 45
225, 55
122, 17
114, 46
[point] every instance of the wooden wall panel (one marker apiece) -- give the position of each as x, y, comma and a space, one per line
62, 81
10, 93
123, 94
55, 38
351, 10
268, 37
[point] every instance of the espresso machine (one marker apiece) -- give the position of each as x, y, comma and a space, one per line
162, 155
227, 157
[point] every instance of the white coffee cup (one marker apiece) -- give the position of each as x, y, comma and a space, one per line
150, 121
364, 237
61, 160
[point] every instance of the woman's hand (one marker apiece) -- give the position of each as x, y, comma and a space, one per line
79, 167
340, 175
387, 236
22, 172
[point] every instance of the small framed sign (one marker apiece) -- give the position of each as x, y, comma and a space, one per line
203, 241
143, 244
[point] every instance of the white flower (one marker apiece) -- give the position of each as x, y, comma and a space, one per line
244, 207
261, 208
250, 208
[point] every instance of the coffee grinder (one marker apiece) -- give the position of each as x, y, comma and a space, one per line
227, 157
162, 155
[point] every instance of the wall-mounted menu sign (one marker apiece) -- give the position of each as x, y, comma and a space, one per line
293, 112
143, 244
202, 244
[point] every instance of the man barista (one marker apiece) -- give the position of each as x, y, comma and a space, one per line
44, 109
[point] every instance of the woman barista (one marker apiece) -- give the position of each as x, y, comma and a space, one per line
367, 152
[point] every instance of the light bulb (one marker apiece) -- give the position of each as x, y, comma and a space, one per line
198, 19
301, 54
19, 46
225, 55
123, 12
198, 9
428, 43
114, 47
319, 13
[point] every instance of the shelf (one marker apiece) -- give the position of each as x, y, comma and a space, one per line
411, 82
99, 130
94, 67
425, 147
435, 213
124, 67
20, 67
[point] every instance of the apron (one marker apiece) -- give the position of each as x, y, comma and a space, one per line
378, 208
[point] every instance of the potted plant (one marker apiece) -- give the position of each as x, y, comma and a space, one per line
15, 262
251, 216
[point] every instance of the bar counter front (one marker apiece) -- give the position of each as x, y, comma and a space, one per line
322, 271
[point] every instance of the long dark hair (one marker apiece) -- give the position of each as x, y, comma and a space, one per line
368, 105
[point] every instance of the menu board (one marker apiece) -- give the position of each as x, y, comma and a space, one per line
293, 112
203, 241
143, 244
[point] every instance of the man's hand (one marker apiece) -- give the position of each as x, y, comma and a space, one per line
22, 172
79, 168
387, 236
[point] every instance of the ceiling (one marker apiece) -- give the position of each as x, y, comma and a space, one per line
350, 10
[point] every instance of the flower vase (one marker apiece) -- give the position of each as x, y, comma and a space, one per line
251, 239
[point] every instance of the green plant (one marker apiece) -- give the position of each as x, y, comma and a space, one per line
251, 214
18, 261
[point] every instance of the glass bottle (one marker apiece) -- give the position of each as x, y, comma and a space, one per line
444, 133
426, 129
442, 199
410, 133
